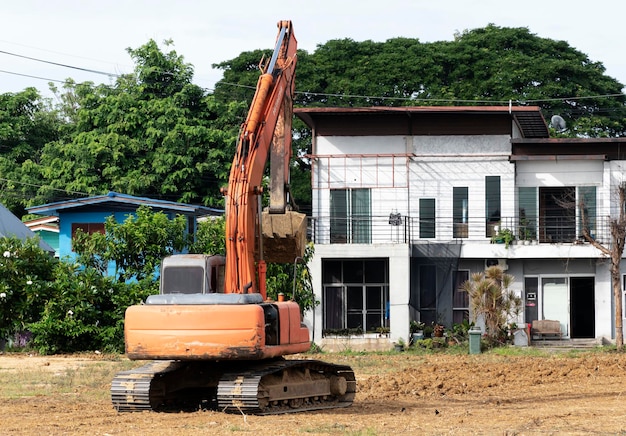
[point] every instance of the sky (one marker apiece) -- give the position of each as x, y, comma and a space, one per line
94, 35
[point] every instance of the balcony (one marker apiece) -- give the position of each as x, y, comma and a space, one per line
399, 229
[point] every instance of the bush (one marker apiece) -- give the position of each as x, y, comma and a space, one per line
26, 283
86, 311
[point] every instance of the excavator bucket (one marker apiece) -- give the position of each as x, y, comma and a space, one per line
284, 236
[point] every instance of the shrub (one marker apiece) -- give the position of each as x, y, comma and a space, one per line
26, 283
86, 311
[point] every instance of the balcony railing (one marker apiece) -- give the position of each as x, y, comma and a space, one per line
400, 229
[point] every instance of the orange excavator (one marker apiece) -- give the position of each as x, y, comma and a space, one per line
212, 337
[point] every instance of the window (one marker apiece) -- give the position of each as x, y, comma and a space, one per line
460, 298
527, 199
557, 214
492, 204
88, 228
587, 212
558, 209
355, 294
427, 218
350, 216
428, 293
459, 212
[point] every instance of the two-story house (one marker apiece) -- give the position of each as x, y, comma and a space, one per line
408, 202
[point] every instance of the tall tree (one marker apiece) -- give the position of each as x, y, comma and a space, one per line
27, 123
492, 300
489, 65
153, 133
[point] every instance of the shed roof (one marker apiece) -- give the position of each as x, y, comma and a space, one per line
121, 202
11, 226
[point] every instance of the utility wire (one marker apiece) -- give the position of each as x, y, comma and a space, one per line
89, 70
32, 77
44, 186
315, 94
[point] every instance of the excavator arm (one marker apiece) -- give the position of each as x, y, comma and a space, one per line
265, 133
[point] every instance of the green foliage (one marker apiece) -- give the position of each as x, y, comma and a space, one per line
210, 237
26, 283
489, 65
431, 344
504, 236
86, 311
136, 246
27, 123
152, 133
293, 280
460, 331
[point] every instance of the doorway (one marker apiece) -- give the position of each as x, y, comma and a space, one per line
582, 309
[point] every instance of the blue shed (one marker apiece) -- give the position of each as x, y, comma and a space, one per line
89, 214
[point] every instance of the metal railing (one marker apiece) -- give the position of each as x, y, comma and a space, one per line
400, 229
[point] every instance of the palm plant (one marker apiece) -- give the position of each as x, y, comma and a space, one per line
492, 299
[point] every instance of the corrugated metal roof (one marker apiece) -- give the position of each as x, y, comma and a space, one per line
11, 226
114, 200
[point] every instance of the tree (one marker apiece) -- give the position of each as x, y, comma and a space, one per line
492, 300
293, 280
614, 251
210, 237
489, 65
27, 123
153, 133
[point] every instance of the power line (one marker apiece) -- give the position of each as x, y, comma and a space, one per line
32, 77
44, 186
315, 94
89, 70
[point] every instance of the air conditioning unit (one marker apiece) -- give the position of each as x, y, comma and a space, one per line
496, 262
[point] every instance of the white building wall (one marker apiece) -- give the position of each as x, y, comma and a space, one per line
560, 173
444, 162
604, 300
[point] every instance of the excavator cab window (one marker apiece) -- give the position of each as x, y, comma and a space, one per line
182, 280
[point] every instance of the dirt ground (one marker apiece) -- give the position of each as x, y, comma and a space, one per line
400, 393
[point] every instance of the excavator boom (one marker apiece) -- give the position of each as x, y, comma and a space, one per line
266, 133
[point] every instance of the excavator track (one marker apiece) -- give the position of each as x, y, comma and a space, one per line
257, 388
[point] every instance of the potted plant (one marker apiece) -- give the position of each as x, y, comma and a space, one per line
399, 346
383, 332
416, 329
504, 236
438, 330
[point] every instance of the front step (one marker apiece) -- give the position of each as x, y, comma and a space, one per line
576, 343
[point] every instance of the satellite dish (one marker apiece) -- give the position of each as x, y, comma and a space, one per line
558, 123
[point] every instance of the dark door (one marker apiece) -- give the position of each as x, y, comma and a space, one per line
582, 310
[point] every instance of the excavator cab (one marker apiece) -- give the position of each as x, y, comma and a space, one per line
192, 274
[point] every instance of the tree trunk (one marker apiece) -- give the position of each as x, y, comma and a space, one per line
617, 297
